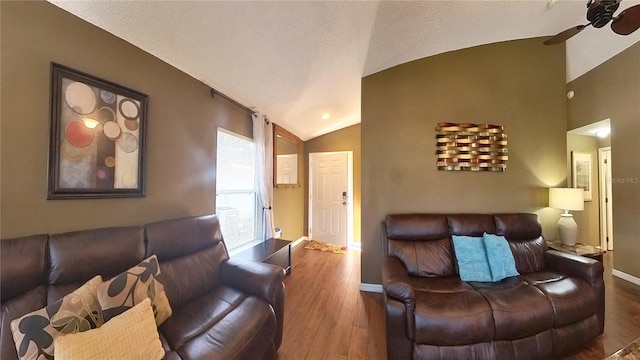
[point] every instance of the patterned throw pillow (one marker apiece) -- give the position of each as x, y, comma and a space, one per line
130, 335
34, 333
128, 289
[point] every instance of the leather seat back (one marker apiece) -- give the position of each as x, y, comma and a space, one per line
524, 233
190, 249
75, 257
422, 243
23, 281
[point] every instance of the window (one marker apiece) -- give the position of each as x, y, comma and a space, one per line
236, 192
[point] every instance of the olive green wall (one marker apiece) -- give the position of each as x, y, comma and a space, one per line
288, 202
518, 84
291, 205
182, 124
347, 139
612, 90
588, 220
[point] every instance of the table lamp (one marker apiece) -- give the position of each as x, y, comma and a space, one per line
567, 199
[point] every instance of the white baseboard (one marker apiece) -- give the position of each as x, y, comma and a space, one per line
625, 276
377, 288
297, 242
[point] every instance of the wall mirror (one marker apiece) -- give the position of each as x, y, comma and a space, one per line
287, 151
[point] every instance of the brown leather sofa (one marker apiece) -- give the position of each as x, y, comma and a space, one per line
222, 308
555, 305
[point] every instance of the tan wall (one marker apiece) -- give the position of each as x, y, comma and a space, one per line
518, 84
347, 139
289, 211
182, 124
612, 91
588, 220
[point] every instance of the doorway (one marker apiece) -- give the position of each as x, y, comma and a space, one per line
330, 197
597, 221
606, 199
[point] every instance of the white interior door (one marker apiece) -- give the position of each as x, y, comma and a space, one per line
606, 199
329, 195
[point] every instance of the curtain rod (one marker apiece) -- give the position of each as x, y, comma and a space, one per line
216, 92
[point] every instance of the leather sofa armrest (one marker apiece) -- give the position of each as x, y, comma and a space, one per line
255, 278
584, 268
260, 279
398, 290
395, 282
581, 267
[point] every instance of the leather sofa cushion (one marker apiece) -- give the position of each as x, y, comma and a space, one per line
76, 257
449, 318
23, 265
416, 227
422, 243
450, 284
572, 299
425, 258
519, 309
524, 233
202, 269
170, 239
518, 226
471, 224
220, 324
187, 248
529, 254
206, 310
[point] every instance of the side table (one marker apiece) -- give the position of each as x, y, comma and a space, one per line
590, 251
272, 251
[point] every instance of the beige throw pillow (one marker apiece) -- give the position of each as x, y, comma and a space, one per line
34, 333
132, 335
129, 288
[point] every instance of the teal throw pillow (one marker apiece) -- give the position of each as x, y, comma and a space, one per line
500, 257
473, 264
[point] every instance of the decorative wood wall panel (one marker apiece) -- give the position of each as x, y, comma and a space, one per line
471, 147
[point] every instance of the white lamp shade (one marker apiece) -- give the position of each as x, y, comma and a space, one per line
566, 198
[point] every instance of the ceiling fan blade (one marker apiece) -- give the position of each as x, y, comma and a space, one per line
627, 21
563, 36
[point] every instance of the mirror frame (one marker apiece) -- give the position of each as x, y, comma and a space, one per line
278, 131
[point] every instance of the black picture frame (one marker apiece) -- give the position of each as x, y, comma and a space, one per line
97, 138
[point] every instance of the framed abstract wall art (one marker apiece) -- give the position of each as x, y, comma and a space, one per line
471, 147
97, 140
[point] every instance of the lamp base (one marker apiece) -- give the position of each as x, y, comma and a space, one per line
567, 229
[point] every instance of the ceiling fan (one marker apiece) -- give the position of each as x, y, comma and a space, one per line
599, 14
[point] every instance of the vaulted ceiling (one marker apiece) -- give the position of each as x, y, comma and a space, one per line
297, 60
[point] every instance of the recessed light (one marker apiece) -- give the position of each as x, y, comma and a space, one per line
603, 133
325, 116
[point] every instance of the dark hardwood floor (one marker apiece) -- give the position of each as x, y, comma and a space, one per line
327, 317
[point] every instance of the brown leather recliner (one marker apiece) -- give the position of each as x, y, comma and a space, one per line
555, 305
222, 308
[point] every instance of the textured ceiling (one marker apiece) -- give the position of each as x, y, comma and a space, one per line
295, 61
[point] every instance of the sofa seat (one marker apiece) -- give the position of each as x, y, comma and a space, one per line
437, 309
571, 298
519, 309
227, 320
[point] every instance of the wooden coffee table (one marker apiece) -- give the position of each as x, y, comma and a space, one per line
590, 251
